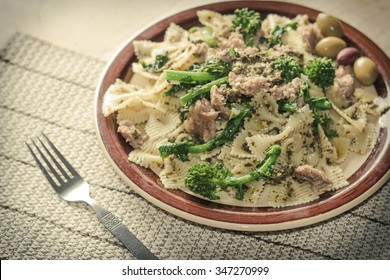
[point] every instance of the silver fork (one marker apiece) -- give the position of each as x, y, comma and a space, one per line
72, 187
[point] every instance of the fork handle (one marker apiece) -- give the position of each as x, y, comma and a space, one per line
121, 232
126, 237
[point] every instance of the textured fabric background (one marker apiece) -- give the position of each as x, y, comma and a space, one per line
50, 89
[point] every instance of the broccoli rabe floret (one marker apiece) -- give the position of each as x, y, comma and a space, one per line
200, 175
321, 72
182, 149
247, 22
208, 180
290, 68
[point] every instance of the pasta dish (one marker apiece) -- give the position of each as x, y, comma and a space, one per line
254, 108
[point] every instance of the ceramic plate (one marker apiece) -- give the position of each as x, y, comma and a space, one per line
365, 174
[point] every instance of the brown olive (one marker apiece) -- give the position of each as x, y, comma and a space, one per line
329, 25
365, 70
330, 46
348, 56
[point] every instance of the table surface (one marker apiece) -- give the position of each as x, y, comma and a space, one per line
98, 27
49, 69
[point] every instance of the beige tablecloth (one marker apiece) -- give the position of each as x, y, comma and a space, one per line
46, 88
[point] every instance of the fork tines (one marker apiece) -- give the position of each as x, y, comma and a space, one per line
53, 170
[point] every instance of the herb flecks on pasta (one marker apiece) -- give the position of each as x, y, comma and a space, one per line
205, 105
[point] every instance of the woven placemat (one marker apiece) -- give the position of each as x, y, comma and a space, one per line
47, 88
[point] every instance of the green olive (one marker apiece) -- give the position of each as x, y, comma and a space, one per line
330, 46
365, 70
329, 25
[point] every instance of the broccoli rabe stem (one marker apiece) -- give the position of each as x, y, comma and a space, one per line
316, 104
208, 180
194, 93
188, 77
181, 150
231, 128
321, 103
200, 74
207, 36
263, 171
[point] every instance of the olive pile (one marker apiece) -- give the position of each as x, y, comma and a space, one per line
333, 46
